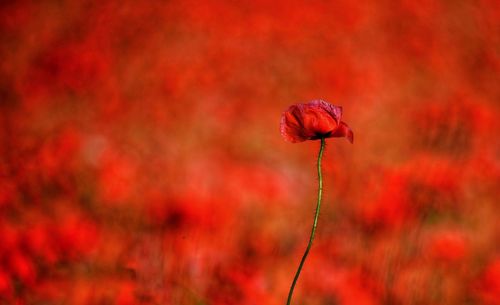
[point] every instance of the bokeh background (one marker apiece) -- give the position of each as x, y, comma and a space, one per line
141, 160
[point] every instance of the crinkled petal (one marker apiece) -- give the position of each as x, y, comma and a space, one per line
343, 131
291, 125
317, 122
334, 111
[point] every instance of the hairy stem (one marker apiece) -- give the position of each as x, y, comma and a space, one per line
315, 223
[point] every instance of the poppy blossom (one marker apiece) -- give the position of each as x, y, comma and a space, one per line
312, 121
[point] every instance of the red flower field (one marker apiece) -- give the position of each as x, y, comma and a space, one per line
142, 163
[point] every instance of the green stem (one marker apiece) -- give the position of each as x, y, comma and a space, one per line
315, 223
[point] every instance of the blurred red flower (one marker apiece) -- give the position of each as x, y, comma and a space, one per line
488, 286
22, 266
312, 121
447, 246
6, 287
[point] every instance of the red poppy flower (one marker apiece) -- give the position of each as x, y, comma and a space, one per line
312, 121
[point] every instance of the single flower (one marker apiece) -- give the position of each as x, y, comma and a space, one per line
312, 121
316, 120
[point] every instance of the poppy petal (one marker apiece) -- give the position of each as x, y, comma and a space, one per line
343, 131
291, 125
334, 111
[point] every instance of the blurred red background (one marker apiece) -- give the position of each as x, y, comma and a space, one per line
142, 163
